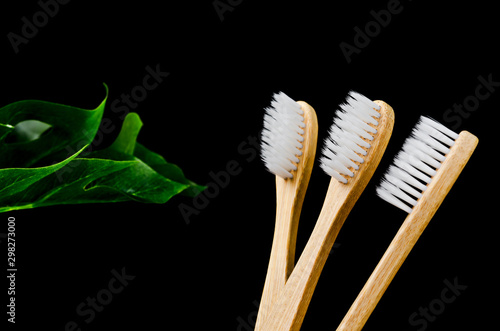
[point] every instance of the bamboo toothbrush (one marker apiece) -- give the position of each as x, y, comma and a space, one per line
289, 142
357, 141
423, 173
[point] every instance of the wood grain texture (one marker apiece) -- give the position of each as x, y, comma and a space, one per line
290, 193
289, 310
409, 232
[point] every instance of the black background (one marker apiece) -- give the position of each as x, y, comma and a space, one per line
209, 272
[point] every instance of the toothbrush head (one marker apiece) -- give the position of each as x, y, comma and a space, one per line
350, 137
283, 135
415, 165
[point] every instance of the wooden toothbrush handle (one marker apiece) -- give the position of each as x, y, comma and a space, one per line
282, 259
409, 232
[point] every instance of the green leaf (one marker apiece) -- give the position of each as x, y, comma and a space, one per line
126, 140
16, 182
124, 171
72, 128
125, 146
168, 170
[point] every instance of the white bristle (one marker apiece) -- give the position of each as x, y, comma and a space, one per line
346, 141
415, 165
282, 135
